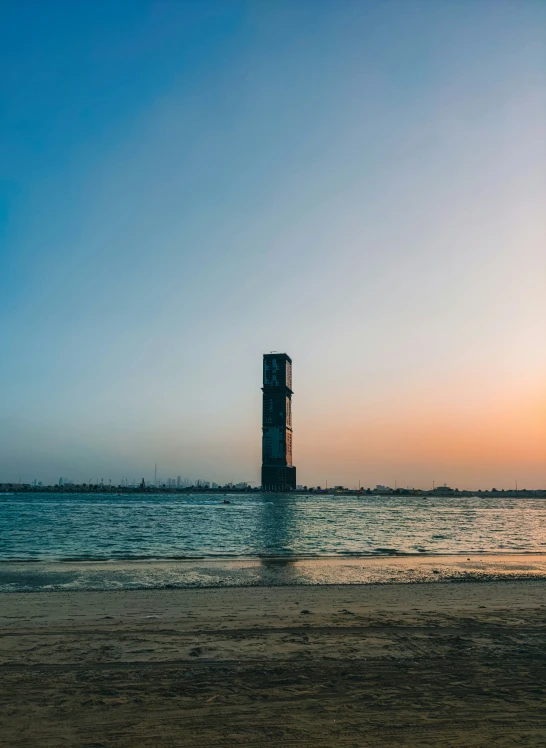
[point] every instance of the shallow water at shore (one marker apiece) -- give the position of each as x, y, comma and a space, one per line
126, 575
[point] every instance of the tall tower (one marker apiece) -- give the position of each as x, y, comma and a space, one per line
278, 473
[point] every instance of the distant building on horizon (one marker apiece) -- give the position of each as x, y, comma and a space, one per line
278, 473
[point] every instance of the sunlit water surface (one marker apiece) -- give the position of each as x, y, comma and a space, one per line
102, 527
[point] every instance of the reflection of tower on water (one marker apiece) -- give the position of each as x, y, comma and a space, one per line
277, 525
278, 528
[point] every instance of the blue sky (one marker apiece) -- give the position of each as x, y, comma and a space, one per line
186, 185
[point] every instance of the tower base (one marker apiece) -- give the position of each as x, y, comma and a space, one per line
278, 478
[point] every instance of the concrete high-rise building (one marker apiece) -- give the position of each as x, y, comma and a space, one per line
278, 473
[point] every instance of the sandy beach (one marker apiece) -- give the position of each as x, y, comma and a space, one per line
446, 664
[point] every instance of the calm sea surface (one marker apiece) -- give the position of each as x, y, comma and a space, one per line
63, 527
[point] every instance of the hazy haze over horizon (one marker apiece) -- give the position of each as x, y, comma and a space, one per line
185, 186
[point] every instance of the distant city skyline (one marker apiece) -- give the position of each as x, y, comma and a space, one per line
183, 482
178, 486
187, 185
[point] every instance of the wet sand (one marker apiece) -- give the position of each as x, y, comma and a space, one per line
366, 665
284, 570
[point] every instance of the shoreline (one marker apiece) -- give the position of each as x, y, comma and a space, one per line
265, 572
221, 558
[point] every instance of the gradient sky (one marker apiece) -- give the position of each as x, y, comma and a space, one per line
187, 185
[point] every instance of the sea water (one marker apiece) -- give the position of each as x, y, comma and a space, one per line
49, 526
91, 528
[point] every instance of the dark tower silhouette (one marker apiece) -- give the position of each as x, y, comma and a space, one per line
278, 473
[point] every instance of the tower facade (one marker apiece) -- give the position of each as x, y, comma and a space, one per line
278, 473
